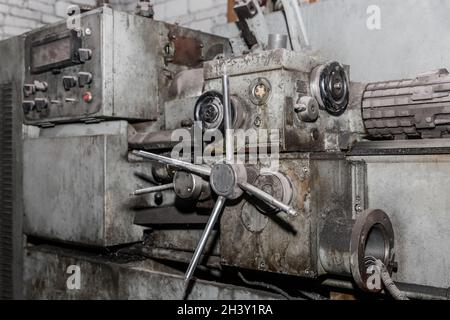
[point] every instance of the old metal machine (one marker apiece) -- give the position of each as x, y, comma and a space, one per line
256, 167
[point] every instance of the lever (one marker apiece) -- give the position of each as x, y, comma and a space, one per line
153, 189
207, 172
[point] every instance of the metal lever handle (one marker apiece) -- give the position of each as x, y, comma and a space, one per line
194, 168
251, 189
229, 152
229, 148
206, 171
152, 189
204, 238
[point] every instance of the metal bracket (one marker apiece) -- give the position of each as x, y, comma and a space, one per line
296, 26
252, 24
359, 187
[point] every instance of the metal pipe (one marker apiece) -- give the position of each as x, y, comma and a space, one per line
204, 238
194, 168
428, 293
268, 198
153, 189
229, 149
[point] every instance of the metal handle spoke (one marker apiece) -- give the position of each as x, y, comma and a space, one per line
227, 121
194, 168
251, 189
202, 243
153, 189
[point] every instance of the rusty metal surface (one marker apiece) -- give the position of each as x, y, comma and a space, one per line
284, 243
183, 240
45, 277
274, 245
334, 245
288, 77
187, 51
191, 48
289, 245
263, 61
172, 255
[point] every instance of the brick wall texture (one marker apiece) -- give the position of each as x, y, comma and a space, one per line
19, 16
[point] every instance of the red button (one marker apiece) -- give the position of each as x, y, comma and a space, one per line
87, 97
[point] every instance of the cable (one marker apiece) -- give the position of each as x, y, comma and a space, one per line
385, 277
267, 286
389, 283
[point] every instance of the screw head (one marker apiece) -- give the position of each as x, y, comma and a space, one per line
260, 91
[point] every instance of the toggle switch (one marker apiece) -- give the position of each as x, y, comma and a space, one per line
28, 89
84, 78
27, 106
41, 104
84, 54
40, 85
69, 82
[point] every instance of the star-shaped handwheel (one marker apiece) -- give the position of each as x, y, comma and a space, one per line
227, 180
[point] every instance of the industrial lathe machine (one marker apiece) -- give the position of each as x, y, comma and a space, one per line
144, 160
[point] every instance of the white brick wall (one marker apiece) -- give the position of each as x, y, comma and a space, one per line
196, 14
19, 16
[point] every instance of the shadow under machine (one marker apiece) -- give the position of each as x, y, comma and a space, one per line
353, 171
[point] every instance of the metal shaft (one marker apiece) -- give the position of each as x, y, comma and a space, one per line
201, 244
296, 25
194, 168
228, 127
267, 198
153, 189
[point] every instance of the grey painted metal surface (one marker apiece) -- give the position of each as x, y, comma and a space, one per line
116, 92
413, 37
183, 239
11, 77
45, 278
77, 184
414, 192
90, 162
413, 108
288, 75
136, 88
295, 24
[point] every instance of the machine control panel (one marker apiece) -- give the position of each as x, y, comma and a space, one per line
109, 67
61, 66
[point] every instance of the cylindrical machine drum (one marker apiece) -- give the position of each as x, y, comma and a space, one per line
345, 244
412, 108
